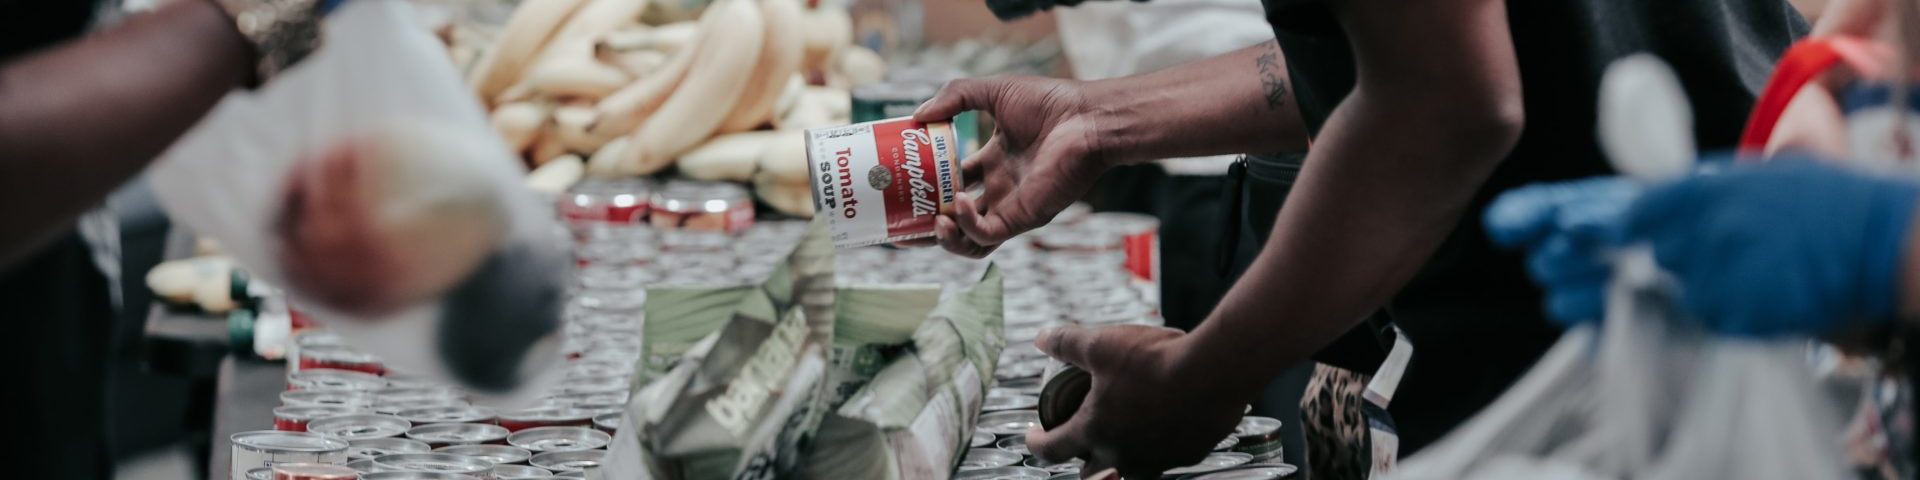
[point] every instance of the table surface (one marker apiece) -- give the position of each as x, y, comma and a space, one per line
244, 401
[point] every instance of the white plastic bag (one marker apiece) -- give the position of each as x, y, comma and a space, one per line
1652, 398
224, 179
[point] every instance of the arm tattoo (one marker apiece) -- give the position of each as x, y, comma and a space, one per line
1269, 64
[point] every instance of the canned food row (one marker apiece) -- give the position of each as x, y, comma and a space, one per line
998, 449
676, 205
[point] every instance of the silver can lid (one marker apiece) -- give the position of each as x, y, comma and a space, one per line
569, 461
447, 414
263, 473
1012, 401
290, 442
498, 454
1069, 466
459, 433
518, 472
334, 379
432, 462
1214, 462
1252, 430
559, 439
988, 458
1003, 473
1010, 422
311, 412
363, 465
348, 398
1264, 471
376, 447
416, 476
609, 421
1015, 444
359, 427
980, 439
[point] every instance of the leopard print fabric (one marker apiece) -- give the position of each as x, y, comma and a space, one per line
1337, 443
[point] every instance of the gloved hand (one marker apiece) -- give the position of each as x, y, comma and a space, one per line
1788, 247
1567, 229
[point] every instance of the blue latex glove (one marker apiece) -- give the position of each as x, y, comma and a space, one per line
1786, 247
1566, 228
1789, 247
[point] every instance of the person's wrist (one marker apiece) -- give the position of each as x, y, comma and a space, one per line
1118, 130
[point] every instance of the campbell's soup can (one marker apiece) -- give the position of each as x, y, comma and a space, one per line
267, 448
340, 358
702, 206
294, 418
883, 181
601, 200
1141, 234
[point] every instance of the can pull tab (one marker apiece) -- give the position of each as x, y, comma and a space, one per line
1646, 124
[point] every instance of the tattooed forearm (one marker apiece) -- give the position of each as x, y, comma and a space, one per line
1271, 81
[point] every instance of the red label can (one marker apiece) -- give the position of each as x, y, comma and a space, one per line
1141, 234
340, 358
551, 416
606, 201
294, 418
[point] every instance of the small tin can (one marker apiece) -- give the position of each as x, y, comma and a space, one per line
518, 472
559, 439
394, 407
294, 418
884, 181
363, 466
448, 414
1065, 387
981, 439
340, 358
266, 448
608, 422
598, 402
569, 461
1141, 234
605, 201
883, 100
1015, 444
1069, 466
341, 398
408, 380
333, 379
498, 454
360, 426
1259, 437
707, 206
260, 474
313, 471
374, 447
1262, 471
1227, 444
980, 458
545, 417
433, 462
445, 434
1008, 423
417, 476
402, 394
1214, 462
1004, 473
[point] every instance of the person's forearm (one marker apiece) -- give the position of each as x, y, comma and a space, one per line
79, 119
1239, 102
1388, 178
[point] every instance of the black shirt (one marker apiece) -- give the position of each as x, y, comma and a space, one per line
1474, 318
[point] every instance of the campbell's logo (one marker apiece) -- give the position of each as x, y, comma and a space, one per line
924, 202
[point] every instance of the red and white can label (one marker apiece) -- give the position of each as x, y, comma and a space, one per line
883, 181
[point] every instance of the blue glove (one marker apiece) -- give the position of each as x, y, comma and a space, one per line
1788, 247
1566, 228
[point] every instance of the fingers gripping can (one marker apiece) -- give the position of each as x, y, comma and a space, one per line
884, 181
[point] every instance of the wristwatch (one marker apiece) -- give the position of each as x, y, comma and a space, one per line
282, 31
